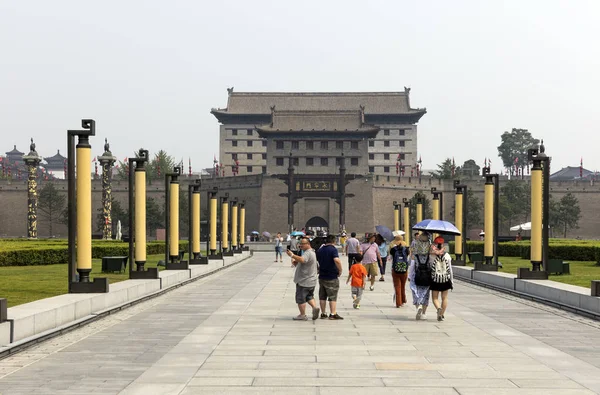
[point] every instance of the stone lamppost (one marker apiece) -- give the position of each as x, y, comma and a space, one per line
107, 160
32, 160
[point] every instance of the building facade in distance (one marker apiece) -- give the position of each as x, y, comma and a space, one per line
245, 149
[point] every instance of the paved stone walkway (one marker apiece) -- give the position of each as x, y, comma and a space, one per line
232, 333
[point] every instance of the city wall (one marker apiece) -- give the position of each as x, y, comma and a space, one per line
267, 210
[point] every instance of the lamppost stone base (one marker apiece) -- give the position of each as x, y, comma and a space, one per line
182, 265
458, 262
201, 260
148, 274
215, 256
98, 286
228, 253
482, 267
525, 273
237, 250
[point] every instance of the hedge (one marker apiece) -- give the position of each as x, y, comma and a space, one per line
585, 251
51, 255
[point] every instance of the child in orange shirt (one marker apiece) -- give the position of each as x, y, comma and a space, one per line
358, 274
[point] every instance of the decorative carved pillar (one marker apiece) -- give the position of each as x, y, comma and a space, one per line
107, 160
32, 160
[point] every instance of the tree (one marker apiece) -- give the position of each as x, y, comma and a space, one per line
155, 216
184, 219
156, 167
513, 149
474, 207
569, 213
51, 206
117, 214
470, 169
427, 212
445, 170
515, 202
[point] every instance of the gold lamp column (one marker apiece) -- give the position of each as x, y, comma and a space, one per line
407, 234
137, 217
488, 225
212, 225
194, 253
242, 224
536, 214
458, 221
419, 209
234, 225
80, 211
396, 215
225, 250
172, 220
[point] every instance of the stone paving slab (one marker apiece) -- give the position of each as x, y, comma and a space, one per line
232, 333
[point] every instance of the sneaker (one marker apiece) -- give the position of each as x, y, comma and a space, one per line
443, 318
372, 287
335, 317
316, 312
354, 304
357, 306
419, 312
439, 314
300, 318
323, 316
423, 317
381, 279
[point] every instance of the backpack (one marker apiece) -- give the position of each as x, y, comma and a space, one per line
422, 272
400, 265
440, 272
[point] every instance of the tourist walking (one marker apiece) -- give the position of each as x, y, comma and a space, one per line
400, 262
358, 275
371, 258
343, 239
330, 269
352, 249
383, 252
305, 278
279, 247
294, 246
420, 274
441, 277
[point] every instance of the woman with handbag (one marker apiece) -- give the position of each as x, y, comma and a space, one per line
420, 274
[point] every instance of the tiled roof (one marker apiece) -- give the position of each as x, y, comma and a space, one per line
56, 158
330, 121
374, 102
569, 173
14, 152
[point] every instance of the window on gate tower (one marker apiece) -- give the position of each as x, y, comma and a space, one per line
386, 156
353, 161
279, 161
339, 145
310, 145
279, 144
324, 145
295, 145
386, 169
371, 156
234, 143
371, 143
354, 145
401, 143
310, 161
324, 162
386, 143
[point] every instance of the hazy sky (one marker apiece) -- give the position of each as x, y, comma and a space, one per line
149, 72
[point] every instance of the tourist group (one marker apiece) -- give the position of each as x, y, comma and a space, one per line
425, 264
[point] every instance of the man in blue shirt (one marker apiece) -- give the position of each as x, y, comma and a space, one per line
330, 269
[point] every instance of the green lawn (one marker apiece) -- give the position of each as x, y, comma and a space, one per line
582, 273
23, 284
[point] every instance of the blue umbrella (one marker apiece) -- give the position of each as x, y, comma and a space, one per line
385, 232
297, 233
437, 226
254, 232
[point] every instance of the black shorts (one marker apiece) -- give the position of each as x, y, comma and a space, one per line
328, 289
304, 294
440, 286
